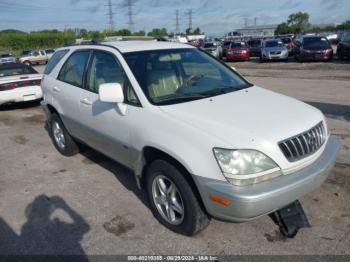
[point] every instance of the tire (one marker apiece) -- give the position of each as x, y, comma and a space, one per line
59, 133
193, 218
28, 63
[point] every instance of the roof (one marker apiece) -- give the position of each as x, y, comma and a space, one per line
134, 46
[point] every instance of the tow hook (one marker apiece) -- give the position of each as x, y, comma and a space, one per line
290, 219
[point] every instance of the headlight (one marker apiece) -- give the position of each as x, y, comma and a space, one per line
244, 167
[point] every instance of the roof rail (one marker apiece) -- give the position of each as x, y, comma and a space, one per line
84, 42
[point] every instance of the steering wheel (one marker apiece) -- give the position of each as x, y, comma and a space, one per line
190, 78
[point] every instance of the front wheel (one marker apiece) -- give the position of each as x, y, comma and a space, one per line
61, 139
173, 201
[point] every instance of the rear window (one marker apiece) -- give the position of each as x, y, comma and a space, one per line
14, 70
55, 59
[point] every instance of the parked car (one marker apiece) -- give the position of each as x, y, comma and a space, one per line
6, 58
312, 48
213, 49
19, 83
34, 57
26, 52
237, 51
201, 139
273, 49
225, 45
255, 47
343, 49
49, 52
288, 42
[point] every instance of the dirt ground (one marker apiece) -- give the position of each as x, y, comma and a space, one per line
87, 204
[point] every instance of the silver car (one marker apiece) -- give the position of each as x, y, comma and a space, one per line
6, 58
273, 49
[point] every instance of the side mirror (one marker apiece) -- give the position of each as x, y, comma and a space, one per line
111, 92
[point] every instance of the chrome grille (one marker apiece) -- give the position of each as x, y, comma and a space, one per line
304, 144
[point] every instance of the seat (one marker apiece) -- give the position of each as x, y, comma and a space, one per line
161, 79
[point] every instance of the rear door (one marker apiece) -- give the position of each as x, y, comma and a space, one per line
346, 45
107, 127
66, 91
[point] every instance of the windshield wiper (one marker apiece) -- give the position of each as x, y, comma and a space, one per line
181, 97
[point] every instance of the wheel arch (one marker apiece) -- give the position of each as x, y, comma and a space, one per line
150, 153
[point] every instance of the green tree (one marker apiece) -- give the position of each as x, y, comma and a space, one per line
158, 32
282, 29
197, 31
189, 31
299, 22
139, 33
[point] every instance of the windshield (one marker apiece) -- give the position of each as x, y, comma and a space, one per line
5, 55
180, 75
273, 44
16, 70
255, 43
238, 44
316, 42
209, 45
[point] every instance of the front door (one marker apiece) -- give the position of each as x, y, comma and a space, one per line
107, 127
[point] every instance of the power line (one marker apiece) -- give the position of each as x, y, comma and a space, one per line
189, 13
177, 25
110, 15
130, 15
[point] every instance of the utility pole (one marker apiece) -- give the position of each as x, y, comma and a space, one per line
110, 15
177, 25
189, 13
130, 15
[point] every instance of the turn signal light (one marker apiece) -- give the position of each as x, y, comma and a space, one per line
220, 200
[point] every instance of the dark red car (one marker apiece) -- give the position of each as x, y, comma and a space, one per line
237, 51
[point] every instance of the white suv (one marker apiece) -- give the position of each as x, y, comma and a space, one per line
200, 139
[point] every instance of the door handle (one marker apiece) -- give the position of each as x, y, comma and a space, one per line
56, 89
86, 101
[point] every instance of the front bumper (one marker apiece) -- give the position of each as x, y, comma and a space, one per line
237, 56
253, 201
281, 56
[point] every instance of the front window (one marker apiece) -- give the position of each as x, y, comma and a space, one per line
238, 45
180, 75
316, 42
274, 44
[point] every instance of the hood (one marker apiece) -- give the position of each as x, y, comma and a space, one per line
249, 118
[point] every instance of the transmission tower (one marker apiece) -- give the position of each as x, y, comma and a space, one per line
110, 15
189, 13
130, 15
177, 25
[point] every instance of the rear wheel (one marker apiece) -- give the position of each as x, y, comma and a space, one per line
61, 139
173, 201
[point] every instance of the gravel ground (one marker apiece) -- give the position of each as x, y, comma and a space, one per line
87, 204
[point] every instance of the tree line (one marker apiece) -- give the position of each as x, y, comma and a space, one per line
298, 23
14, 40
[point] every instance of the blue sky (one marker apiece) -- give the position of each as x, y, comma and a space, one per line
212, 16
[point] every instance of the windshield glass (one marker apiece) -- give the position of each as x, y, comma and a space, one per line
209, 45
5, 55
273, 44
16, 70
180, 75
316, 42
255, 43
238, 44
